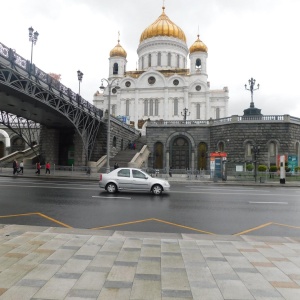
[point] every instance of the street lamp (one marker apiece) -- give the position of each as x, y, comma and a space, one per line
251, 89
184, 114
255, 149
109, 86
33, 36
79, 75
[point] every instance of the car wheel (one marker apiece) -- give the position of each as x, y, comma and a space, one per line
157, 189
111, 188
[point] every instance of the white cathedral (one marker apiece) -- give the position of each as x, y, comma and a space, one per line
162, 87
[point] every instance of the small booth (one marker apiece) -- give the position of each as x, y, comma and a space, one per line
218, 165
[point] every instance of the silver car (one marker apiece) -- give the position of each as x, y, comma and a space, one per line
132, 179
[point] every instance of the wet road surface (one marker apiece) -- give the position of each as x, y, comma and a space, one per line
188, 208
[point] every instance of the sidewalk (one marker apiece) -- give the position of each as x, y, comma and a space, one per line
57, 263
62, 174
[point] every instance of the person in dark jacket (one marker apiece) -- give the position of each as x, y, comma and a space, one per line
15, 167
38, 168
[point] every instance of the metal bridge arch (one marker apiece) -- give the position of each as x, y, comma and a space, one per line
23, 80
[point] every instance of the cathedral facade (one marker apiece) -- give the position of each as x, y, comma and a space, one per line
163, 87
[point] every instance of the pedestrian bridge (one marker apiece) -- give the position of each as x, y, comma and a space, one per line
30, 100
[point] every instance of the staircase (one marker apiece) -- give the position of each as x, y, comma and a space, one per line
125, 156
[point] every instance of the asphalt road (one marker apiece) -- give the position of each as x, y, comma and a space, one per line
188, 208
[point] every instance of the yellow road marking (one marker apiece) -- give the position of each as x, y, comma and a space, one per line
122, 224
253, 229
290, 226
55, 221
39, 214
182, 226
152, 219
18, 215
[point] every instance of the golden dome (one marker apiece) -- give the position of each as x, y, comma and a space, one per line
198, 46
118, 51
163, 26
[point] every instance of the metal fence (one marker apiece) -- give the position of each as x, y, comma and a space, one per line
173, 174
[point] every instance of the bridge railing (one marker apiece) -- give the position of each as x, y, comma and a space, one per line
76, 100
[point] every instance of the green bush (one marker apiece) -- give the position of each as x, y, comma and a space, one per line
262, 168
249, 167
297, 169
273, 169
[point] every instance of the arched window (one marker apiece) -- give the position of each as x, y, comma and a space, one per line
151, 107
248, 152
184, 62
142, 62
2, 149
115, 69
159, 59
198, 63
146, 107
198, 111
217, 113
175, 107
202, 157
127, 107
149, 60
221, 146
156, 107
158, 159
169, 59
272, 149
114, 142
178, 60
272, 153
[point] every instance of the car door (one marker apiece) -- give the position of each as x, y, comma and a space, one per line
124, 179
140, 180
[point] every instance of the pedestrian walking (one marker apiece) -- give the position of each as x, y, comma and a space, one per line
38, 168
116, 166
15, 167
48, 167
170, 172
21, 168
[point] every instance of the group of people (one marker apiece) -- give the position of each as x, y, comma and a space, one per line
131, 145
38, 168
19, 168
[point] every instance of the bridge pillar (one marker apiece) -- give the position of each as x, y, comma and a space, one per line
49, 145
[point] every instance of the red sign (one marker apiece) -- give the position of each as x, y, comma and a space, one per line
218, 154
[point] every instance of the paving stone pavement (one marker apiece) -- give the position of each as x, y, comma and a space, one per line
59, 263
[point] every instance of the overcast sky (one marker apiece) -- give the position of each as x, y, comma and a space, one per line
257, 38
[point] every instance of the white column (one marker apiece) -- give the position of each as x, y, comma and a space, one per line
186, 97
166, 103
137, 108
207, 107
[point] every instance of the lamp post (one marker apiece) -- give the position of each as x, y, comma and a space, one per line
184, 114
79, 75
255, 149
109, 86
33, 37
251, 89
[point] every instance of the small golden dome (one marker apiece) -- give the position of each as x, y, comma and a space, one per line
198, 46
163, 26
118, 51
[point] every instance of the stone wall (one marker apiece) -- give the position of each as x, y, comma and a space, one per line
233, 135
122, 134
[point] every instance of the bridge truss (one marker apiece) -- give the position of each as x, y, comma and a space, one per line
25, 78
